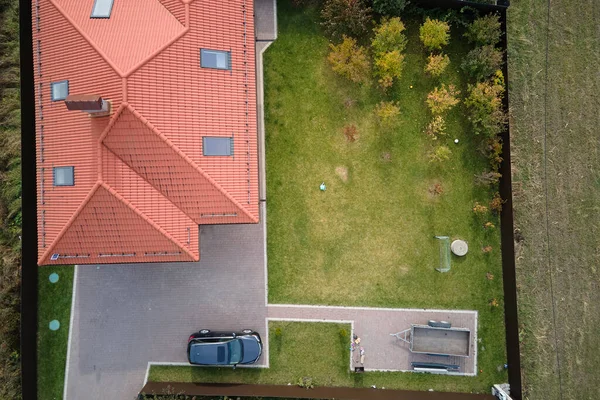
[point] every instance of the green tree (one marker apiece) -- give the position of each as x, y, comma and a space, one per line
389, 7
346, 17
388, 36
481, 62
485, 108
434, 34
484, 30
350, 60
388, 66
437, 64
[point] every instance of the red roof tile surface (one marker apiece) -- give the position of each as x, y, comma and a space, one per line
142, 185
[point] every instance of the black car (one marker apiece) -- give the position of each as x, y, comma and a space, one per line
224, 348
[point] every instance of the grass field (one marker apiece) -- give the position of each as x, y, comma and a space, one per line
54, 303
368, 240
555, 107
319, 351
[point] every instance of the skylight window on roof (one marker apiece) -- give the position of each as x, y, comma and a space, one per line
102, 9
59, 90
215, 59
217, 146
64, 176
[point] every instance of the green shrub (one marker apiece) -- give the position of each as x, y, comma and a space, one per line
389, 7
442, 99
487, 178
350, 60
484, 107
494, 152
434, 34
480, 210
440, 154
484, 31
306, 382
388, 36
388, 66
496, 203
437, 64
481, 62
387, 111
436, 127
346, 17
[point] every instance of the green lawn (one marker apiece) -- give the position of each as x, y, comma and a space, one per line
369, 240
319, 351
54, 302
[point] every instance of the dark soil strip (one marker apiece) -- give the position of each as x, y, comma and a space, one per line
511, 320
297, 392
29, 266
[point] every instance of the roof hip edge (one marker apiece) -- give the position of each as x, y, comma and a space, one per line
112, 122
70, 221
88, 39
149, 220
191, 163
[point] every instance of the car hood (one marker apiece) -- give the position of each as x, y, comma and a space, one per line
213, 354
252, 349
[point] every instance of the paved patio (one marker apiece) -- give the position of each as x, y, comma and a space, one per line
265, 20
374, 325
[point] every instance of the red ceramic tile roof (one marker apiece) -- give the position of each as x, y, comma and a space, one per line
142, 185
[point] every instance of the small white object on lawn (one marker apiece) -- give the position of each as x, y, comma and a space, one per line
459, 247
456, 141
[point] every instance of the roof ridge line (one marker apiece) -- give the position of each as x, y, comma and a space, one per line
146, 218
72, 219
190, 162
88, 39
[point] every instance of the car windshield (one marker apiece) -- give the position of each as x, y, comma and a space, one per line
235, 351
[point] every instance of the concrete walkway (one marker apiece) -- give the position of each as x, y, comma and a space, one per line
265, 20
374, 325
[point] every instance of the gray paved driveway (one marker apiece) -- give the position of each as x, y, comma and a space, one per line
128, 315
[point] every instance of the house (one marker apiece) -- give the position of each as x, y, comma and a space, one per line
145, 126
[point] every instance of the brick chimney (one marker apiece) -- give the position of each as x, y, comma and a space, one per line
89, 103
